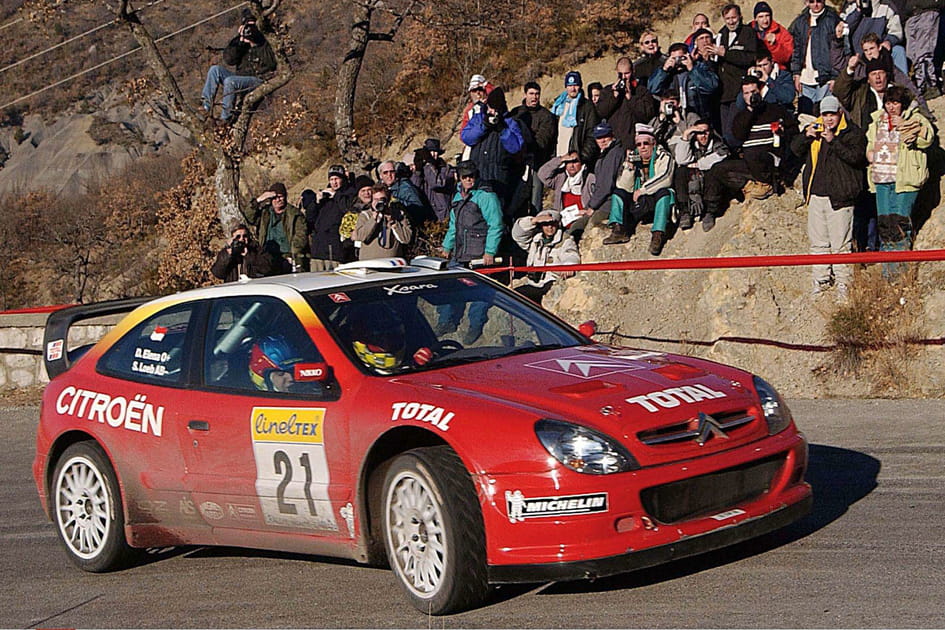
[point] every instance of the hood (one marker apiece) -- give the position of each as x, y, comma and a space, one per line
629, 394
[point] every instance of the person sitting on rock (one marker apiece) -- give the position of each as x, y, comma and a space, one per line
547, 244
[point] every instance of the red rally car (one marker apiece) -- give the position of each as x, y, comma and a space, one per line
415, 415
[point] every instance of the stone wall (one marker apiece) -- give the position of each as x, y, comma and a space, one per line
21, 345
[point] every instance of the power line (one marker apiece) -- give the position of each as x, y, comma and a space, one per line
118, 57
71, 39
9, 24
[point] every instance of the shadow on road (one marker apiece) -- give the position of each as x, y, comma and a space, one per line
840, 477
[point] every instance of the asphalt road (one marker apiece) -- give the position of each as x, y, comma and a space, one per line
871, 554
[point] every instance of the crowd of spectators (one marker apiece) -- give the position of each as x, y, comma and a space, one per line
834, 103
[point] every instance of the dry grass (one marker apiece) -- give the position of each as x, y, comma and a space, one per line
873, 331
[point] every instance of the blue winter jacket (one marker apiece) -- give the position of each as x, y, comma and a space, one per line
698, 86
494, 148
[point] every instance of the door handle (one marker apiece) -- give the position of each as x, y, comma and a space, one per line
198, 425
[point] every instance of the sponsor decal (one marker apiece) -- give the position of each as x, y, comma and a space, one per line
187, 507
407, 289
423, 412
339, 298
158, 334
292, 475
675, 396
347, 513
240, 512
724, 515
583, 366
211, 510
309, 371
54, 350
520, 507
135, 414
152, 507
280, 424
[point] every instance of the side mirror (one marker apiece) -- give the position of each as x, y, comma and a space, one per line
309, 372
588, 328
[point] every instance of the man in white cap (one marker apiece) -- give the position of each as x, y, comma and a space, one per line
541, 236
834, 153
645, 190
478, 90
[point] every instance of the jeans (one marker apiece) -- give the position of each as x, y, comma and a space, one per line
810, 96
894, 223
452, 314
233, 84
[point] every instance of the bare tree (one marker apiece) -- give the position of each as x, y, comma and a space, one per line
226, 147
361, 35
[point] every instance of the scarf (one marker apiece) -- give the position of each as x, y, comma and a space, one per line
815, 16
574, 183
566, 109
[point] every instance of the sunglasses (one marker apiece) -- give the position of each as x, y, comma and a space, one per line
650, 41
386, 172
644, 144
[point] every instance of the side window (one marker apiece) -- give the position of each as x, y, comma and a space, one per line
154, 350
257, 344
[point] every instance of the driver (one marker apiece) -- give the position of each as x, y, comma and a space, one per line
270, 364
379, 338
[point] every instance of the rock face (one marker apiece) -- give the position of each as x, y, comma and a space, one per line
62, 156
686, 310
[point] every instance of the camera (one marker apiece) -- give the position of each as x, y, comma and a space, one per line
238, 246
492, 119
755, 100
679, 62
621, 85
634, 158
669, 108
755, 72
818, 127
382, 206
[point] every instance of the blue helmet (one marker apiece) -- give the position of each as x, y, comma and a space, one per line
268, 354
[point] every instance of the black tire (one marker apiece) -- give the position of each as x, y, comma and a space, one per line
433, 531
86, 508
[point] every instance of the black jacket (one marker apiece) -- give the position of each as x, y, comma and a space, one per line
841, 166
324, 222
544, 133
250, 61
253, 263
606, 172
738, 58
623, 113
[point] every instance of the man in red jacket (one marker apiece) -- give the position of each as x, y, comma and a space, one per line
775, 37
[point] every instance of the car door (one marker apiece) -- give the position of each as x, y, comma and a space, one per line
259, 458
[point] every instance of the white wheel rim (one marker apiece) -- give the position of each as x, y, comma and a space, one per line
83, 507
416, 535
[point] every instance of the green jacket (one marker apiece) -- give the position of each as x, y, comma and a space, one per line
293, 222
912, 168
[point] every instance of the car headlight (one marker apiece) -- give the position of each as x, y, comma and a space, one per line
776, 411
584, 450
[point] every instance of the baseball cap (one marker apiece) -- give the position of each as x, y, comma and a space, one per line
603, 130
477, 81
830, 105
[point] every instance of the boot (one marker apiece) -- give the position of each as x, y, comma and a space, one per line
761, 191
685, 221
617, 235
656, 243
708, 222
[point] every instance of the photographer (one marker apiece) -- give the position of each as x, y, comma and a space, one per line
281, 228
834, 154
242, 257
644, 190
699, 150
690, 76
253, 58
382, 229
671, 121
626, 102
777, 85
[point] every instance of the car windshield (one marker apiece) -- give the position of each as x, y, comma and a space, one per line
433, 322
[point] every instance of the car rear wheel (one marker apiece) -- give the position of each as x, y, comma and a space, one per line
434, 532
87, 509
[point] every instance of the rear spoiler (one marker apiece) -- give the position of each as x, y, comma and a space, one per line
56, 355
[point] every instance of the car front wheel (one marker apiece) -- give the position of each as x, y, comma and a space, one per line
87, 509
434, 532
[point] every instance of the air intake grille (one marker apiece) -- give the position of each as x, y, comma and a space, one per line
715, 492
690, 430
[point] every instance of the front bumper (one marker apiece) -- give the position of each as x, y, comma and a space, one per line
634, 560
